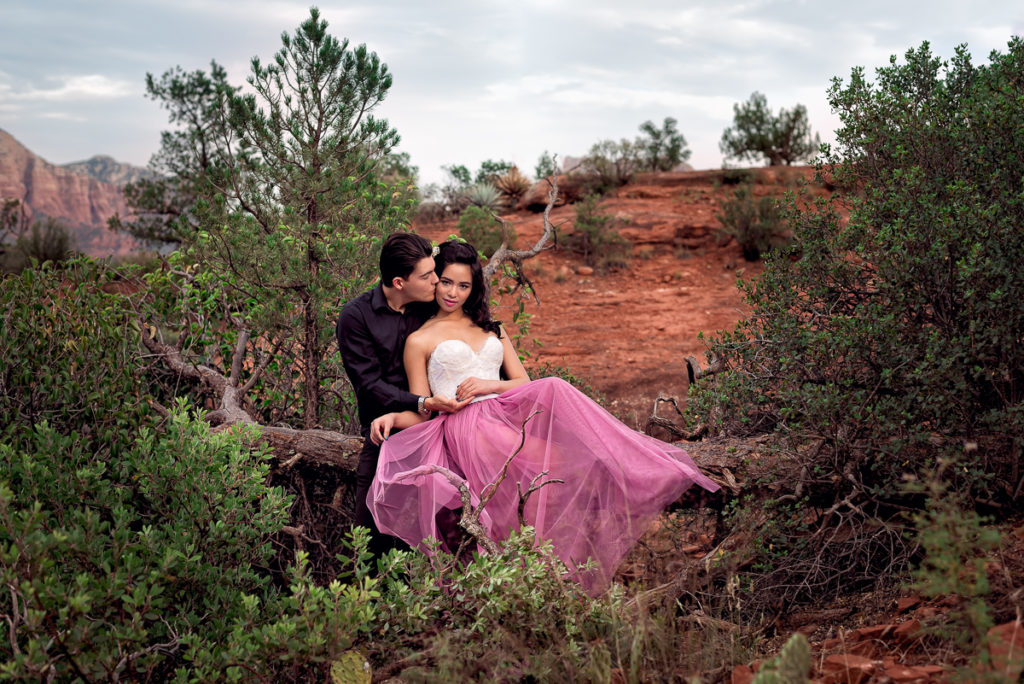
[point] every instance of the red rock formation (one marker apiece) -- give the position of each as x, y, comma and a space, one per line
84, 204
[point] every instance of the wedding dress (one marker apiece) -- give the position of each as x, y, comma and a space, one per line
616, 481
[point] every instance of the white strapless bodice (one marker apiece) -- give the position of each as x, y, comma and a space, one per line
452, 361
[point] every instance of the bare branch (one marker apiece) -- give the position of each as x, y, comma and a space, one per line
517, 256
238, 356
534, 486
694, 372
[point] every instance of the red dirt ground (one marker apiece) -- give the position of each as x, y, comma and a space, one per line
627, 332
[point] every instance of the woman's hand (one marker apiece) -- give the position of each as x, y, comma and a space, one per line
381, 427
475, 387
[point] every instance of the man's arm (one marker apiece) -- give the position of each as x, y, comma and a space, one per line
359, 357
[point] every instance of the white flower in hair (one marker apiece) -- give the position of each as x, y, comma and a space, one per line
434, 252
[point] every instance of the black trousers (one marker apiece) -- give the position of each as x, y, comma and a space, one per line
380, 543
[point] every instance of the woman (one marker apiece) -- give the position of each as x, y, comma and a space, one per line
615, 481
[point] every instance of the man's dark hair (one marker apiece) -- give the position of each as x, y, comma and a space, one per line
400, 254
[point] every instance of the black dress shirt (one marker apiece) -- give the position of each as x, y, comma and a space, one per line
371, 337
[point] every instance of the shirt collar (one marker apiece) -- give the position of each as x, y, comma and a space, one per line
378, 301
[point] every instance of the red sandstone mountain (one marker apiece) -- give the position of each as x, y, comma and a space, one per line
82, 202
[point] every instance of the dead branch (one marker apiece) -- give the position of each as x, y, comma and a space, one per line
667, 424
694, 372
470, 517
534, 486
325, 447
517, 256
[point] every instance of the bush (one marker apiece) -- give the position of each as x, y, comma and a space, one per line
485, 196
781, 139
595, 239
756, 225
132, 547
610, 164
480, 228
892, 339
47, 239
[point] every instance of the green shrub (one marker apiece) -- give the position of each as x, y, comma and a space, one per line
595, 239
890, 339
485, 196
480, 228
47, 239
756, 225
610, 164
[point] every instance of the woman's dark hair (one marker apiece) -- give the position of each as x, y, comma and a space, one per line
477, 306
400, 254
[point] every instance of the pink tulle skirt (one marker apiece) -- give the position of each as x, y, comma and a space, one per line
616, 481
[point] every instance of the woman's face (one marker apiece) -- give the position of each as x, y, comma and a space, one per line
454, 287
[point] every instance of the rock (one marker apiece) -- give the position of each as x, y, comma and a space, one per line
584, 271
911, 675
83, 203
905, 603
847, 669
1006, 648
907, 631
570, 189
741, 674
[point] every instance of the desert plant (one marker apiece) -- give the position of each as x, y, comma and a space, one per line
610, 164
780, 139
491, 170
512, 184
888, 340
47, 239
480, 228
791, 666
756, 224
595, 238
545, 166
485, 196
664, 148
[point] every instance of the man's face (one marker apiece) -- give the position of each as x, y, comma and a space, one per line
419, 286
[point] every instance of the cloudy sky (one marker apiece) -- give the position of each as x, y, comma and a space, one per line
475, 79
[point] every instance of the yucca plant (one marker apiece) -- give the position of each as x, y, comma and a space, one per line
513, 184
485, 195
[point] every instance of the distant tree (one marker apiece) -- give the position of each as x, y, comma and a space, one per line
611, 163
781, 139
491, 170
194, 160
47, 239
545, 166
663, 149
458, 175
289, 211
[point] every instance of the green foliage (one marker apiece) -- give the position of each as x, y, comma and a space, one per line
595, 239
480, 228
611, 164
459, 175
891, 339
47, 239
288, 216
780, 139
756, 225
485, 196
791, 666
512, 184
955, 540
132, 546
491, 170
664, 148
545, 166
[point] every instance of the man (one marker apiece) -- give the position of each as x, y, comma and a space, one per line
371, 330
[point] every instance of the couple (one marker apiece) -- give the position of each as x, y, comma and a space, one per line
429, 321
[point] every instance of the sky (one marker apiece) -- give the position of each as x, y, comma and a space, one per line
475, 79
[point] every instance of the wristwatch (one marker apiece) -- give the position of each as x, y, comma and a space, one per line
421, 406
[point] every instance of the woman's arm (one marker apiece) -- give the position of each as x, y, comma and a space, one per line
514, 372
417, 352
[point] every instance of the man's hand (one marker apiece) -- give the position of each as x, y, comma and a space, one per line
440, 402
381, 427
